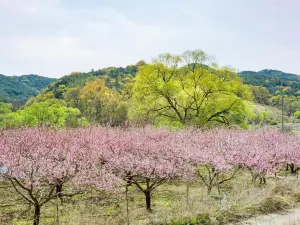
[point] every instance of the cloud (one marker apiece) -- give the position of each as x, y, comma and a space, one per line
56, 37
85, 42
55, 40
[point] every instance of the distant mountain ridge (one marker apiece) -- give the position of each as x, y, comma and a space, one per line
18, 89
272, 80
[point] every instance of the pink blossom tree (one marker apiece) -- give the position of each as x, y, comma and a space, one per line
263, 153
145, 158
213, 155
39, 162
292, 153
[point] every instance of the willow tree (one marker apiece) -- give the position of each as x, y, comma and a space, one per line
187, 89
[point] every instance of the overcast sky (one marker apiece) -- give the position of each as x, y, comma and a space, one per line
56, 37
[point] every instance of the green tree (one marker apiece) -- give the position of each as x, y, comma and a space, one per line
264, 117
290, 104
182, 90
5, 109
72, 97
261, 94
48, 113
140, 63
101, 104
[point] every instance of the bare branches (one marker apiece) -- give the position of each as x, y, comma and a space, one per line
18, 191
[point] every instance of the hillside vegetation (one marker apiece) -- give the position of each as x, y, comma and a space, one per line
18, 89
166, 92
272, 80
175, 95
267, 87
21, 88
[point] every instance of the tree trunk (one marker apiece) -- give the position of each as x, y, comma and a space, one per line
254, 177
262, 180
37, 214
148, 200
127, 204
59, 192
59, 188
293, 168
209, 188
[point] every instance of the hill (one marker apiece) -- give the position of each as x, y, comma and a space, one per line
272, 80
264, 85
115, 78
18, 89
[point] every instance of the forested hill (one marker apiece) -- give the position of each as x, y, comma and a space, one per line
17, 89
272, 80
112, 97
21, 88
116, 77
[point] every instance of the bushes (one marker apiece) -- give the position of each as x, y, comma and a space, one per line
297, 114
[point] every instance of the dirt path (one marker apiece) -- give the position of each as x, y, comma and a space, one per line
292, 217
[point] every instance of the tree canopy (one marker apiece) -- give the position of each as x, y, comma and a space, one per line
181, 90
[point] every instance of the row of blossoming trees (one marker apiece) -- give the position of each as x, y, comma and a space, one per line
40, 163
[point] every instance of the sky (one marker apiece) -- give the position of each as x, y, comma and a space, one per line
56, 37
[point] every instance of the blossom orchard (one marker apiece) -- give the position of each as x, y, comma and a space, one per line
39, 162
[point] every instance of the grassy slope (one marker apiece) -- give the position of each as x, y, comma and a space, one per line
291, 124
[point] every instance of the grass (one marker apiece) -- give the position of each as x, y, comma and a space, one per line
239, 199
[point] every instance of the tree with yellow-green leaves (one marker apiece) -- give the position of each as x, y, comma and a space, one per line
101, 104
5, 108
51, 112
189, 90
